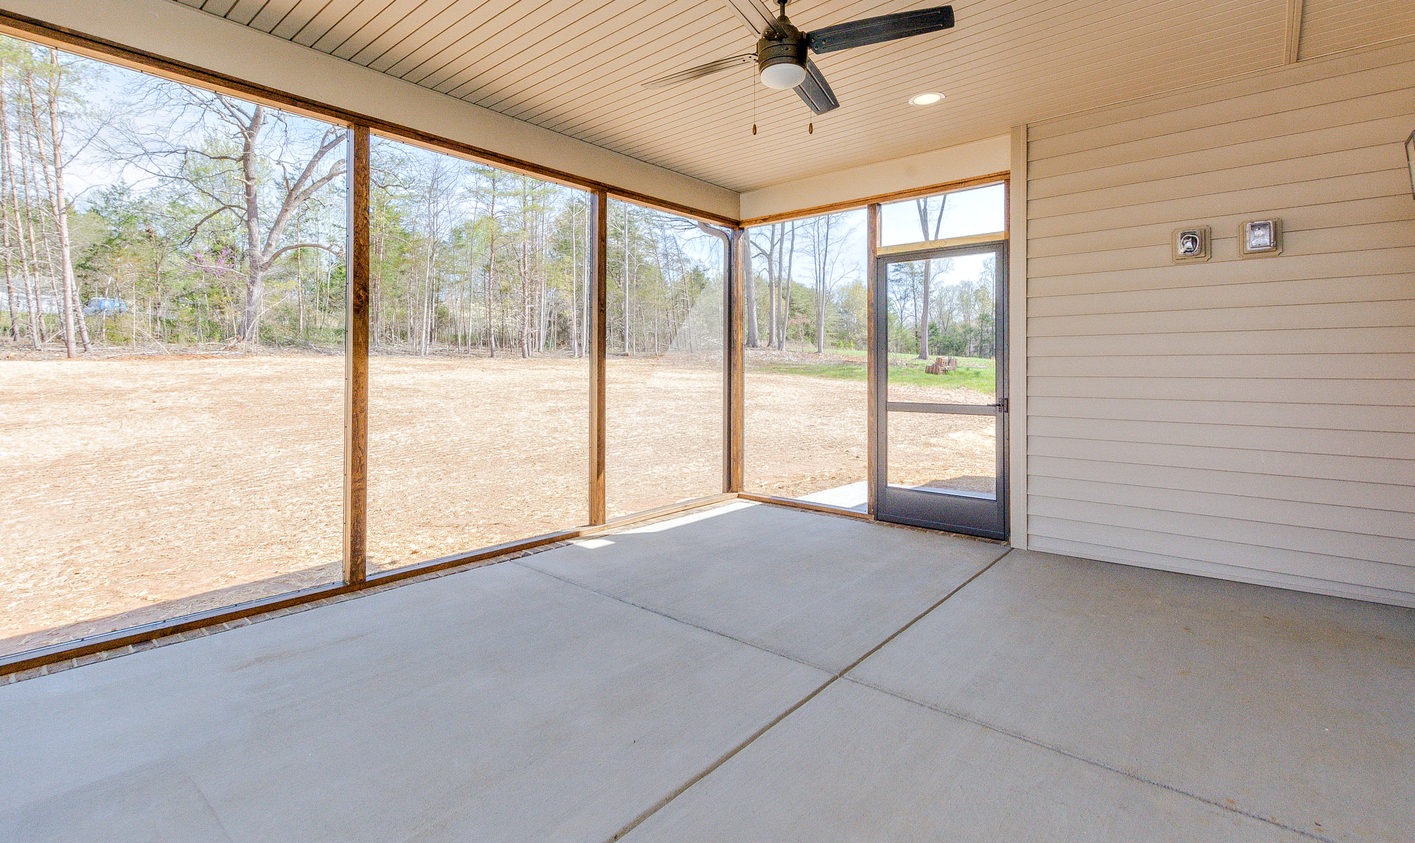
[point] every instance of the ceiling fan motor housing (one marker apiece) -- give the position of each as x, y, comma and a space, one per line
785, 51
781, 51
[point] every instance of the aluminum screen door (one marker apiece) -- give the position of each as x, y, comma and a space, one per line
938, 381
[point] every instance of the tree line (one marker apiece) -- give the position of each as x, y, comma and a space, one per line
39, 272
203, 218
473, 258
139, 211
809, 292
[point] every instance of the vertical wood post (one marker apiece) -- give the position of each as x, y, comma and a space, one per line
356, 346
873, 332
733, 351
599, 343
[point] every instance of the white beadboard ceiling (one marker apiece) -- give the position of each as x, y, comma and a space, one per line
576, 67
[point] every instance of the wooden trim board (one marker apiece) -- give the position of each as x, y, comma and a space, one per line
896, 196
599, 342
118, 639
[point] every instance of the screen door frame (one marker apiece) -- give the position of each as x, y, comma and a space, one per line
954, 511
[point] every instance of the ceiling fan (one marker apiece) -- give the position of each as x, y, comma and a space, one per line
781, 56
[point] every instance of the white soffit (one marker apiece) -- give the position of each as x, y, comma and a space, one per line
577, 67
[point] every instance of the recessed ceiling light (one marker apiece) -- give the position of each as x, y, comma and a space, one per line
926, 99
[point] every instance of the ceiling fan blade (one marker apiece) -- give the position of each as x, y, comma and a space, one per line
858, 33
700, 71
815, 91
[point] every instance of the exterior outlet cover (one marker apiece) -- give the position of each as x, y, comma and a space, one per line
1260, 238
1190, 245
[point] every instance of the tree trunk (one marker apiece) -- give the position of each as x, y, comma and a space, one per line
425, 311
377, 244
749, 293
772, 272
255, 266
9, 281
64, 282
28, 157
471, 289
658, 264
574, 283
923, 206
821, 251
627, 286
585, 320
490, 273
524, 270
426, 292
299, 285
31, 284
60, 206
545, 324
789, 259
8, 194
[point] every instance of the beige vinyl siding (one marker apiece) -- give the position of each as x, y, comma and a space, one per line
1247, 419
1329, 26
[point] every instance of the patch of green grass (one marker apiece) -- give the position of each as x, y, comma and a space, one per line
900, 358
968, 375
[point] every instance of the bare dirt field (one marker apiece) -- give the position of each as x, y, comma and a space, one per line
808, 434
138, 488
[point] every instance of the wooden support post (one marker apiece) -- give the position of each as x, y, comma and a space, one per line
356, 346
733, 408
878, 368
599, 343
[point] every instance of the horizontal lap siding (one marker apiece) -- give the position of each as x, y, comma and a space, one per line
1249, 419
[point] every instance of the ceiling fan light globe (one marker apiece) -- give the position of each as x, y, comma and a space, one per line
783, 76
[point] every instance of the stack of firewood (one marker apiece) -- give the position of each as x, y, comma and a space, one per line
941, 366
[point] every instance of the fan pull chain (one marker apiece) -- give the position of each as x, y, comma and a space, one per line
753, 77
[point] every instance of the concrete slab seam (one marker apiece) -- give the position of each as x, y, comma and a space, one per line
679, 791
901, 630
639, 820
958, 715
666, 616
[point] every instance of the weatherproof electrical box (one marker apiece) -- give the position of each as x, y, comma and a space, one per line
1260, 238
1190, 244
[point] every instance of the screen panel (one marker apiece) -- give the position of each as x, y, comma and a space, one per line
664, 376
940, 329
945, 216
186, 250
942, 452
806, 373
479, 367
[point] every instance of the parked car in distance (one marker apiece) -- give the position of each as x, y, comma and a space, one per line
105, 307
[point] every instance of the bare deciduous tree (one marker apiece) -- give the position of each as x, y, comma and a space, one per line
234, 157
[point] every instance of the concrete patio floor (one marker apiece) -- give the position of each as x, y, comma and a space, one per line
748, 673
